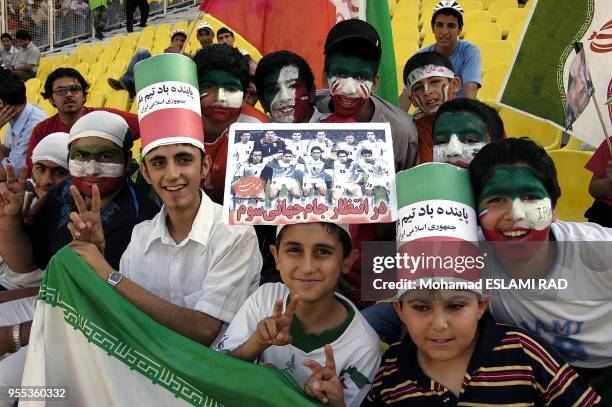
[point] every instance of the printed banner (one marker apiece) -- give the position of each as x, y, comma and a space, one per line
538, 81
308, 172
97, 348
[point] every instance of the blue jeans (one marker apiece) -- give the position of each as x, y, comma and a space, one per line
140, 55
384, 320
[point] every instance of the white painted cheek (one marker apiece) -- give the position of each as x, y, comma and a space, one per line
518, 210
454, 148
438, 153
221, 99
537, 214
470, 150
233, 99
94, 169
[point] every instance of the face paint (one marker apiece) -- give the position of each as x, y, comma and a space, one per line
430, 93
97, 164
221, 96
515, 208
458, 137
287, 96
350, 83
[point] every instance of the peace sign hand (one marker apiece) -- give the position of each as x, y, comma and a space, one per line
274, 330
12, 192
86, 225
324, 383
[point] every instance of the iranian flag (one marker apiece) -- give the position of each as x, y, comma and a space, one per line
302, 26
87, 339
548, 78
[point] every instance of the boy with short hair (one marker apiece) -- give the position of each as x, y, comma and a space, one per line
295, 325
456, 354
430, 80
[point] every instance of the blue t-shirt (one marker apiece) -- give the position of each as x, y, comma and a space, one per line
466, 61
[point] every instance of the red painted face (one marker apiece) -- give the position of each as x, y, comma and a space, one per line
106, 186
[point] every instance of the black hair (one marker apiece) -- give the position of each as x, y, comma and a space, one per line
6, 35
494, 123
354, 47
366, 151
448, 12
224, 30
332, 228
514, 151
181, 33
338, 152
274, 62
23, 35
64, 73
426, 58
316, 148
223, 58
250, 160
12, 89
288, 152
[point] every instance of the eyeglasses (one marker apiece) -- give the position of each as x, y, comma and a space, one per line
64, 91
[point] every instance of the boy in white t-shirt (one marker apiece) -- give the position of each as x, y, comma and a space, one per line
303, 326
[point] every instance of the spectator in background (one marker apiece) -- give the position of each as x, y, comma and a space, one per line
205, 34
600, 186
225, 36
66, 90
99, 10
130, 8
446, 24
8, 52
21, 117
29, 57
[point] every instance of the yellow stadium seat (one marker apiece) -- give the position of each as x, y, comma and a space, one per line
134, 108
82, 67
405, 17
510, 17
471, 5
514, 35
573, 143
85, 54
91, 80
482, 32
97, 69
149, 30
97, 48
486, 4
180, 25
133, 36
429, 39
529, 4
125, 54
47, 107
472, 17
410, 34
117, 40
404, 50
496, 7
574, 182
95, 98
58, 60
45, 62
33, 89
117, 68
43, 72
72, 59
495, 53
518, 124
492, 81
118, 100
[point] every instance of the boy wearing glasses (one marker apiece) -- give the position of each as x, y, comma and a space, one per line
21, 117
66, 89
223, 77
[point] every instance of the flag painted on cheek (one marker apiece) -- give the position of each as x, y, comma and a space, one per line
168, 102
99, 165
348, 95
226, 108
290, 103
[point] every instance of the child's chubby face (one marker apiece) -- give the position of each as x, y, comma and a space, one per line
310, 260
442, 324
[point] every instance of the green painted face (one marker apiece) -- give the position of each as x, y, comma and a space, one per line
97, 152
467, 126
345, 66
514, 183
219, 79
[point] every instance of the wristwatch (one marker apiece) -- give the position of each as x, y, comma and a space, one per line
114, 278
16, 338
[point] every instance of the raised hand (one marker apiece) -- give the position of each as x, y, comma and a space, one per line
7, 112
12, 192
86, 225
324, 383
274, 330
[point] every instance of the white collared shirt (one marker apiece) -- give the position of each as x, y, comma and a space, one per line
213, 270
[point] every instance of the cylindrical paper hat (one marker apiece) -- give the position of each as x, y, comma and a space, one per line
168, 102
437, 224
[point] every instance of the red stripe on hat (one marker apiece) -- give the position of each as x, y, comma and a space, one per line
166, 123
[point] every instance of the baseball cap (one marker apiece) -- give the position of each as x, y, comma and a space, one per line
204, 26
353, 29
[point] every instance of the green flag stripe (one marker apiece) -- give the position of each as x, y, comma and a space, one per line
114, 324
534, 87
377, 14
165, 67
434, 181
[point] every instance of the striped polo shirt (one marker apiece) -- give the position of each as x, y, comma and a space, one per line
508, 367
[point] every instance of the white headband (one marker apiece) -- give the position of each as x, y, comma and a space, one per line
427, 71
54, 148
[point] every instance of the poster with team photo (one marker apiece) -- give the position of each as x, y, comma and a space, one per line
281, 173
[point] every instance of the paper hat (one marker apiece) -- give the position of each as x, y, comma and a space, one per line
178, 32
103, 124
204, 26
168, 102
54, 148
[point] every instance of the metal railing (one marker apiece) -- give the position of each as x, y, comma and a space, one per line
53, 23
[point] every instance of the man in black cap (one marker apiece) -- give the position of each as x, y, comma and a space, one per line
352, 56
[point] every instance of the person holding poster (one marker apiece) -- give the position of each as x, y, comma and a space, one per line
515, 185
302, 325
223, 77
